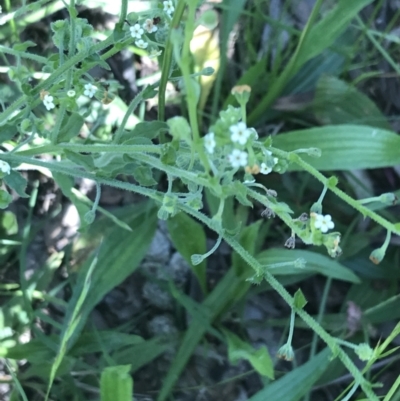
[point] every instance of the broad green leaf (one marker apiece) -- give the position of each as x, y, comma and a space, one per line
66, 184
147, 129
116, 384
7, 131
258, 358
17, 182
344, 147
71, 127
144, 176
189, 238
316, 263
337, 102
5, 199
294, 385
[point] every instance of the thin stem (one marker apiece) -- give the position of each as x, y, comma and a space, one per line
342, 195
167, 61
291, 327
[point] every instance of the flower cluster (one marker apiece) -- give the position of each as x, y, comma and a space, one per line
168, 7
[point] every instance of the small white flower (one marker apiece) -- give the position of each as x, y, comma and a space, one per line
155, 53
238, 158
168, 7
149, 26
324, 223
48, 102
141, 44
90, 90
264, 169
4, 167
136, 31
239, 133
209, 142
71, 93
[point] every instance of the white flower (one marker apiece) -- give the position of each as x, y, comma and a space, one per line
239, 133
238, 158
264, 169
4, 167
90, 90
209, 142
168, 7
155, 53
71, 93
136, 31
48, 102
149, 26
324, 223
141, 44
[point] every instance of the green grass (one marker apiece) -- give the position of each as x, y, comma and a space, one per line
311, 82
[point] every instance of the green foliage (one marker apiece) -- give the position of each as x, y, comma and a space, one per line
210, 173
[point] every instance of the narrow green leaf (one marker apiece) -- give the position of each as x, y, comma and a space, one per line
316, 263
258, 358
116, 384
344, 147
294, 385
337, 102
189, 238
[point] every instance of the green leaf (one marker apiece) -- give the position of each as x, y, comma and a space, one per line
21, 47
116, 384
8, 223
189, 238
180, 129
248, 240
144, 176
294, 385
299, 299
7, 132
344, 147
149, 129
337, 102
17, 182
258, 358
71, 127
66, 184
5, 199
323, 34
316, 263
81, 160
168, 154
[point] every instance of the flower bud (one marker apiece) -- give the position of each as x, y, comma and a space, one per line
286, 352
388, 199
241, 93
364, 352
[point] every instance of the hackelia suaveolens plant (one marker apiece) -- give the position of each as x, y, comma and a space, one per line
4, 167
48, 102
168, 7
240, 133
90, 90
323, 223
209, 142
238, 158
141, 44
149, 26
136, 31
